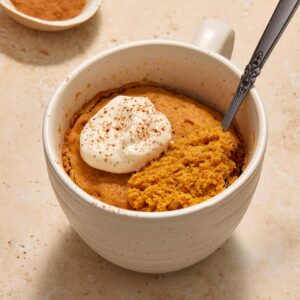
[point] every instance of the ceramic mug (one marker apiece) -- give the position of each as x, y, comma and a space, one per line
156, 242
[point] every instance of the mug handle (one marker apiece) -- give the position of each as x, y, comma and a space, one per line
216, 36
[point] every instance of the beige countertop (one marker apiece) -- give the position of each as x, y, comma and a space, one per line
41, 257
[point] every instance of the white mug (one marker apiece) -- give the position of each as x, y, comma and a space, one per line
156, 242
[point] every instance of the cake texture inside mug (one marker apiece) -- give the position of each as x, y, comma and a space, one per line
201, 161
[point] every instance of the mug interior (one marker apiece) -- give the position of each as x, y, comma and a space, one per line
205, 76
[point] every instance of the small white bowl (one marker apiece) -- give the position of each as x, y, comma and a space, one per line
44, 25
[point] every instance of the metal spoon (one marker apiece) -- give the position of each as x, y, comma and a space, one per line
277, 24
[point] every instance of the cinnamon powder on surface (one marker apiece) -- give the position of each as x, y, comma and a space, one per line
52, 10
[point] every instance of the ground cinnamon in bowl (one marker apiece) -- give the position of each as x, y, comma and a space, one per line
54, 10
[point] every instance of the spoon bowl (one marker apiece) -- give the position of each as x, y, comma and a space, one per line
45, 25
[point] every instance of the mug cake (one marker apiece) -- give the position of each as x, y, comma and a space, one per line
147, 148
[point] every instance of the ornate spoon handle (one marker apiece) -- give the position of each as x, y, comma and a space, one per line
278, 22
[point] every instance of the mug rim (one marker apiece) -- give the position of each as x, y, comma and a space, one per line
99, 204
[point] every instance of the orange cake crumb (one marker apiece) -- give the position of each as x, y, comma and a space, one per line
195, 168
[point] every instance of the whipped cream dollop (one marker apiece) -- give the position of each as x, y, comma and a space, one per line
125, 135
